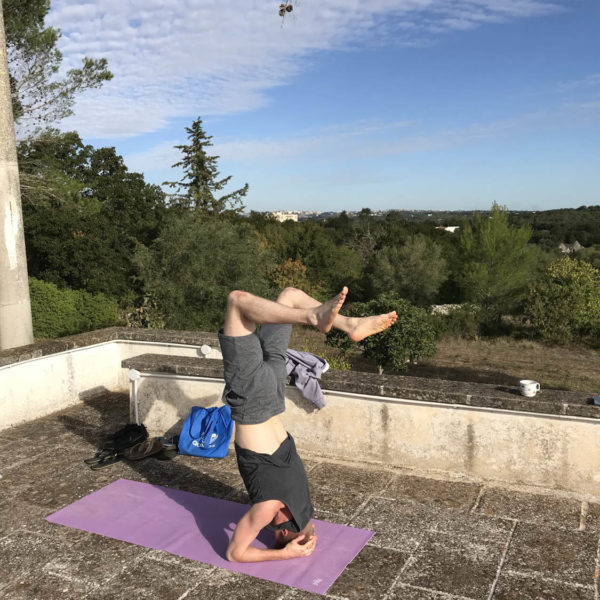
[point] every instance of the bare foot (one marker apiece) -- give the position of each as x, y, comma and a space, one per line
361, 327
325, 314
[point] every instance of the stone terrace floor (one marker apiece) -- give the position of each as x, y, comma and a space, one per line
435, 539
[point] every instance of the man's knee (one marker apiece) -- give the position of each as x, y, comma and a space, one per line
235, 297
286, 296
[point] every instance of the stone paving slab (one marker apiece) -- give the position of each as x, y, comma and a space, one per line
398, 524
513, 586
456, 565
592, 516
372, 574
365, 481
46, 587
147, 578
434, 539
226, 584
542, 509
206, 485
448, 494
404, 591
554, 554
74, 563
472, 525
327, 499
23, 517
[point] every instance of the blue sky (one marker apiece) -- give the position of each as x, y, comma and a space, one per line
390, 104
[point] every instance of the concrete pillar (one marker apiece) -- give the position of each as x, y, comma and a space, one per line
15, 308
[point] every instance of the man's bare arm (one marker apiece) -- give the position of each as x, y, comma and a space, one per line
250, 525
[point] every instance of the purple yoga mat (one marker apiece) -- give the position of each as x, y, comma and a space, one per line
199, 527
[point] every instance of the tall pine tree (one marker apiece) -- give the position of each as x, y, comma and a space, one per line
497, 263
197, 189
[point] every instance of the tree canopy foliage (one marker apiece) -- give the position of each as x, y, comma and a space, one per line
564, 305
497, 262
551, 227
414, 271
195, 262
84, 214
40, 95
93, 226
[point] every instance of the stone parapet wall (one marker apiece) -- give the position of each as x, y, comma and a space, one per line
479, 431
47, 376
111, 334
482, 395
483, 431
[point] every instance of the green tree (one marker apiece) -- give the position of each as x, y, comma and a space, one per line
411, 338
591, 255
39, 94
196, 190
497, 262
84, 214
194, 264
414, 271
329, 266
292, 273
565, 303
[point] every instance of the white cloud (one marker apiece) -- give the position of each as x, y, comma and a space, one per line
158, 158
176, 58
375, 140
589, 82
366, 140
320, 142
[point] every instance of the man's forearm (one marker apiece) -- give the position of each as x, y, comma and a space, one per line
252, 554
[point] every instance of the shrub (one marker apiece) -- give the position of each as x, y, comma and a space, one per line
146, 315
57, 312
565, 304
463, 321
336, 359
412, 336
96, 311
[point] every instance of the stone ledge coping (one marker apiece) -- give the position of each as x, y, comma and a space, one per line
481, 395
81, 340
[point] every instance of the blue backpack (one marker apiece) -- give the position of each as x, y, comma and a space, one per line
207, 432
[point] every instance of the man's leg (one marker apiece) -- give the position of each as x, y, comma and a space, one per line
356, 328
245, 311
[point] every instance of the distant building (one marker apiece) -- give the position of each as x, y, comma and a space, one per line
570, 248
284, 216
444, 309
451, 228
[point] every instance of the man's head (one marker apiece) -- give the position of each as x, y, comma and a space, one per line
283, 536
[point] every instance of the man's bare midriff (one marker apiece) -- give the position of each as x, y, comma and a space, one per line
264, 438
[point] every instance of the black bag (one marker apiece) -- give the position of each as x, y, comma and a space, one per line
128, 436
116, 444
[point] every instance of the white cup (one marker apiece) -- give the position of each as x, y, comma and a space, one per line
529, 387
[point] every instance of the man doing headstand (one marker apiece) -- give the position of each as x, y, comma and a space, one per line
255, 379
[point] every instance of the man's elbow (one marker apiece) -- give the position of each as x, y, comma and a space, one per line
231, 555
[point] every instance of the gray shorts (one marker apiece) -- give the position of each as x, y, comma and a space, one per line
255, 375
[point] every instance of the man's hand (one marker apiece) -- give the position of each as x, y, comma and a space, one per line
249, 526
300, 546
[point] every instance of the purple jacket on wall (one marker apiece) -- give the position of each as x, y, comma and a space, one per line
306, 369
